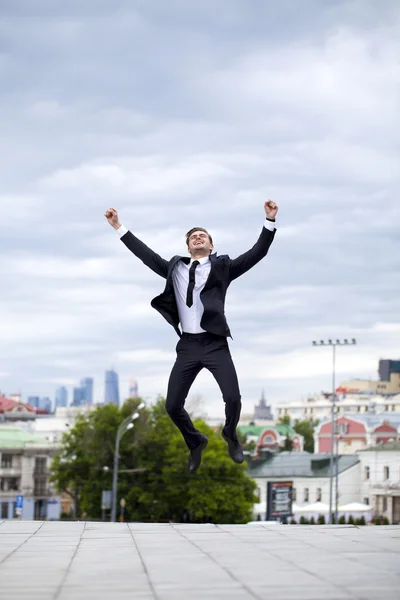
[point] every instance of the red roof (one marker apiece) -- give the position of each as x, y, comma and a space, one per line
8, 405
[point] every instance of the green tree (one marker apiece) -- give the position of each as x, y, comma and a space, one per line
306, 429
219, 492
88, 448
287, 445
157, 486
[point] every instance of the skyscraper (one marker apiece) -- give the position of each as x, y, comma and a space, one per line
133, 389
34, 401
87, 387
43, 403
83, 395
111, 388
61, 396
77, 396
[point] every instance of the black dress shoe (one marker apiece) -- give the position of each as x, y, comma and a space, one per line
195, 455
234, 449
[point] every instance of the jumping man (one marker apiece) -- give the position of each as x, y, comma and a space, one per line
194, 298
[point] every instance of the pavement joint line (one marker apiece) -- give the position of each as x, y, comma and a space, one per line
317, 576
63, 580
357, 542
20, 545
228, 571
152, 588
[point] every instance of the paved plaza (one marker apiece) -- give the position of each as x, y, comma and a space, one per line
140, 561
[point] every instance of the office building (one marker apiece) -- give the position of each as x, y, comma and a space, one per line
83, 394
61, 399
40, 403
111, 388
387, 385
133, 389
87, 387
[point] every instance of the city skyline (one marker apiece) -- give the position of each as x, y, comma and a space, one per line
383, 369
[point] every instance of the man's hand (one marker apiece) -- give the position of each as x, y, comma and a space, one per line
112, 217
270, 209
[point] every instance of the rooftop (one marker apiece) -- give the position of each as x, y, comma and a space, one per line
12, 437
371, 419
298, 464
258, 429
389, 447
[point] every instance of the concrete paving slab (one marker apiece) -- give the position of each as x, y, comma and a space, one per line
146, 561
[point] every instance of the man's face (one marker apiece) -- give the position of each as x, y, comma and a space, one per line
199, 243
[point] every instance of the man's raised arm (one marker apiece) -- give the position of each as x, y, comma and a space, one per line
246, 261
150, 258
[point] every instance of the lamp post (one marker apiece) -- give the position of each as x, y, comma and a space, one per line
333, 345
123, 428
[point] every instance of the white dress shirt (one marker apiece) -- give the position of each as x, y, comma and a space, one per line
190, 317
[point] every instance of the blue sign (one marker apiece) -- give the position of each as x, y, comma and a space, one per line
19, 501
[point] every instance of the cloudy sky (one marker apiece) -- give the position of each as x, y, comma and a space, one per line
194, 113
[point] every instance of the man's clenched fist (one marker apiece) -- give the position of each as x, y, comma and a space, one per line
270, 209
112, 217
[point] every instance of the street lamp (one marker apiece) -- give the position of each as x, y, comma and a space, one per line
333, 345
123, 428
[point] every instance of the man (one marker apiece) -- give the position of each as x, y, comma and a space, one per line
194, 297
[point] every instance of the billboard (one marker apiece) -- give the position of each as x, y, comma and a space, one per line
279, 499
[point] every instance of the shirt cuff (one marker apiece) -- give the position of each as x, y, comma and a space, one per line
271, 225
121, 231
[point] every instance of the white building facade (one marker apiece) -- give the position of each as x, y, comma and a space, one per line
380, 480
309, 474
24, 471
319, 406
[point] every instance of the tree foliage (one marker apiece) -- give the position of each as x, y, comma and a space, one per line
304, 428
158, 487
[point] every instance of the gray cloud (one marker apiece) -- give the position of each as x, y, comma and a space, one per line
186, 114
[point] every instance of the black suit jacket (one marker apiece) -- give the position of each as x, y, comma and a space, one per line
223, 271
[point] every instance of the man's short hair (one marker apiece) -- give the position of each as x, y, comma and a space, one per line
189, 233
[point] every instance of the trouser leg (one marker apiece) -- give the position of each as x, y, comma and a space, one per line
217, 359
184, 372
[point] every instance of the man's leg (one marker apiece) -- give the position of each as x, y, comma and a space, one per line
217, 359
184, 372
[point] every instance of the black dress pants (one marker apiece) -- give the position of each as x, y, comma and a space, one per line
195, 352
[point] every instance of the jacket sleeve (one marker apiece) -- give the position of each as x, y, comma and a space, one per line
244, 262
150, 258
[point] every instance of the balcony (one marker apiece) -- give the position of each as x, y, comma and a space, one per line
42, 493
11, 471
9, 493
40, 472
387, 487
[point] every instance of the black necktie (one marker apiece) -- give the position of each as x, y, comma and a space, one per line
189, 295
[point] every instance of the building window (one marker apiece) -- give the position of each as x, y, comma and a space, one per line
306, 494
341, 428
386, 473
319, 495
4, 510
40, 465
40, 489
8, 484
294, 494
366, 472
366, 501
268, 440
384, 504
6, 461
